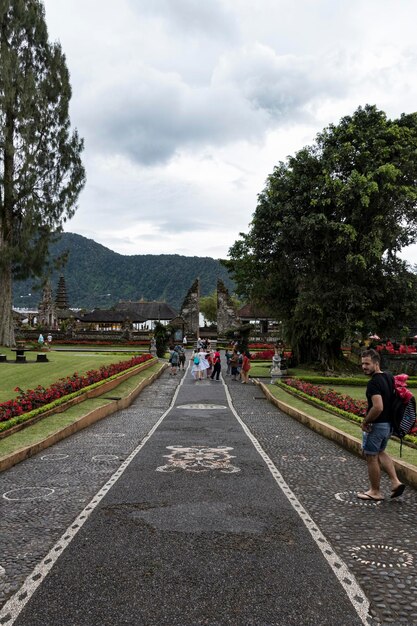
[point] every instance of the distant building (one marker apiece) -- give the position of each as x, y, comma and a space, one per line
252, 314
61, 298
151, 312
139, 315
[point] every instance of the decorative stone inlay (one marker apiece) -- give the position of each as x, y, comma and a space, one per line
199, 459
2, 571
383, 556
104, 435
105, 457
350, 497
202, 406
28, 493
54, 457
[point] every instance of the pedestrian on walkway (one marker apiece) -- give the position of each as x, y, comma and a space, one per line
174, 360
181, 352
377, 428
217, 365
246, 365
234, 362
228, 355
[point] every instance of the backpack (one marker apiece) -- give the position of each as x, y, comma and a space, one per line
196, 360
174, 358
403, 409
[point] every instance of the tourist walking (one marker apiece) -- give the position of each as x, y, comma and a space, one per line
377, 428
246, 365
217, 365
234, 362
195, 369
174, 360
228, 355
181, 353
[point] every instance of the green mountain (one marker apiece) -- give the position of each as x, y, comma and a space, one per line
98, 277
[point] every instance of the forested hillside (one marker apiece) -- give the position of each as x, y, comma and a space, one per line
93, 271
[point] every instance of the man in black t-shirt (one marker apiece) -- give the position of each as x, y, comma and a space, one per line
377, 428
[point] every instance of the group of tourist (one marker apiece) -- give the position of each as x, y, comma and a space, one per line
206, 361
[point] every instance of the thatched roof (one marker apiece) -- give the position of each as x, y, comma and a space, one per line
111, 316
149, 310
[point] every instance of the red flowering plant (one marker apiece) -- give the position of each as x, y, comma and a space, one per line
266, 355
31, 399
329, 396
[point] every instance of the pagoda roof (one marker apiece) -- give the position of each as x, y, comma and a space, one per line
111, 315
149, 310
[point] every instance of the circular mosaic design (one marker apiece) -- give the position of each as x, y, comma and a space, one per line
199, 459
54, 457
382, 556
105, 457
201, 406
351, 498
28, 493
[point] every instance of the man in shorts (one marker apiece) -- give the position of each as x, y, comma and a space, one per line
377, 428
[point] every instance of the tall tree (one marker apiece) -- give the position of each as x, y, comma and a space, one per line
41, 174
322, 249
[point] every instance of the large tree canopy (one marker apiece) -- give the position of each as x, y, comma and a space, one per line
322, 249
41, 174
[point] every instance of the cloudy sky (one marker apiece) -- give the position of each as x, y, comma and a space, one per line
185, 106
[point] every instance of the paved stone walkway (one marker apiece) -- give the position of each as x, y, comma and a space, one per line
230, 513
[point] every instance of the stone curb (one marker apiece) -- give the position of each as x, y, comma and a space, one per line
83, 422
405, 471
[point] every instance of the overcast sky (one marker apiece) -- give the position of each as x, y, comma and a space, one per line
186, 106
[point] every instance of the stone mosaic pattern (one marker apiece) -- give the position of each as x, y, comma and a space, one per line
378, 541
45, 493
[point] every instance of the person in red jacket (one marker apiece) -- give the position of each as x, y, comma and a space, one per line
244, 374
217, 366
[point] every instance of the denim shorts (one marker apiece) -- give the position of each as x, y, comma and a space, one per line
376, 440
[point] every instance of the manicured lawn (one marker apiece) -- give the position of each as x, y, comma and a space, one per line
49, 425
408, 454
61, 364
357, 393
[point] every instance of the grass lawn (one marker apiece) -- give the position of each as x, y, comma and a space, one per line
408, 454
49, 425
61, 364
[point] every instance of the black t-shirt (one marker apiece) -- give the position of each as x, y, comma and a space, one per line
381, 385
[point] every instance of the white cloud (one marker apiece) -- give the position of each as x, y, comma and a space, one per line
187, 106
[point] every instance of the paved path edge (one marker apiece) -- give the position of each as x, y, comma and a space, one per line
405, 471
83, 422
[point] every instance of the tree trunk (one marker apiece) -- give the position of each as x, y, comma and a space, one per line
326, 353
6, 315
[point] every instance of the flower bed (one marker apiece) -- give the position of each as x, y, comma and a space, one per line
266, 355
330, 400
390, 349
31, 399
329, 396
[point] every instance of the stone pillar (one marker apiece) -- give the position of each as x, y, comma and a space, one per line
226, 312
190, 310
